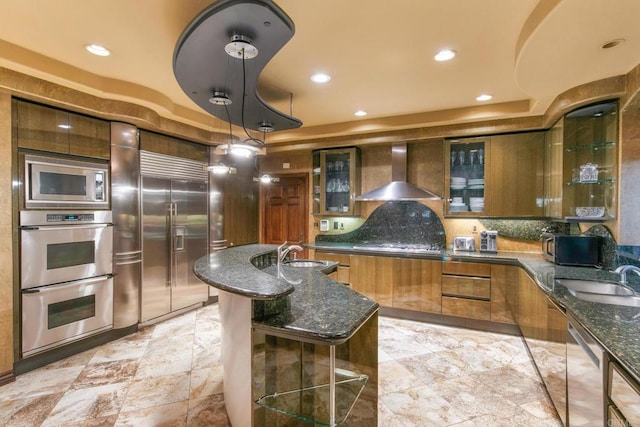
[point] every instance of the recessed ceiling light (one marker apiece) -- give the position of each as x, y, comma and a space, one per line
320, 78
96, 49
612, 43
360, 113
445, 55
484, 97
64, 126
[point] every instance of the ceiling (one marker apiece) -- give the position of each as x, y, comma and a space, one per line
378, 52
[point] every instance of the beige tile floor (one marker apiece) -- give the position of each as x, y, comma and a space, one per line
169, 374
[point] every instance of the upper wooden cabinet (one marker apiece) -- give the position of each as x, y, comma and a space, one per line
516, 175
44, 128
495, 176
163, 144
336, 182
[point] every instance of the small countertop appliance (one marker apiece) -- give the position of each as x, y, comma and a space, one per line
489, 241
464, 243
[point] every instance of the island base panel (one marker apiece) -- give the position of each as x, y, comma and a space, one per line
298, 374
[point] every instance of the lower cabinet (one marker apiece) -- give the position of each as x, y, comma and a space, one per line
406, 283
342, 274
479, 291
544, 328
466, 290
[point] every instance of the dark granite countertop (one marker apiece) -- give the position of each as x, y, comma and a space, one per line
616, 327
311, 306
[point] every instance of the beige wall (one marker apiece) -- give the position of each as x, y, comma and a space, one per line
6, 240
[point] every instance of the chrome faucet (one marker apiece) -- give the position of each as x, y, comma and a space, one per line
623, 269
283, 251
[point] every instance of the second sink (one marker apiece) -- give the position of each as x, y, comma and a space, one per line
305, 263
596, 287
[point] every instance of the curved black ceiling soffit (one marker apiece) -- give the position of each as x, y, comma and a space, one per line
211, 77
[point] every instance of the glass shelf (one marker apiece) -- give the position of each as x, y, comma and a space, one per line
348, 386
600, 181
594, 146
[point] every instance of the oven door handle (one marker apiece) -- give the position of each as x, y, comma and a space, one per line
66, 228
62, 285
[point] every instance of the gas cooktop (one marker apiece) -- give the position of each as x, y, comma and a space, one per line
400, 247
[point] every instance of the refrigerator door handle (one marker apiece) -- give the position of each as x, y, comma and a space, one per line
170, 271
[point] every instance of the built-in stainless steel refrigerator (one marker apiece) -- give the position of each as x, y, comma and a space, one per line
174, 234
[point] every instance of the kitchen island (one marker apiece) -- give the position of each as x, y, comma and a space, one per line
296, 346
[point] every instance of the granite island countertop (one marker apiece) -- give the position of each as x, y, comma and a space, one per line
616, 327
311, 307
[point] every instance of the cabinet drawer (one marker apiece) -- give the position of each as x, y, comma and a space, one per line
343, 274
462, 307
342, 259
467, 269
475, 287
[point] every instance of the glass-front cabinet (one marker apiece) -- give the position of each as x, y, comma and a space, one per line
590, 163
335, 182
466, 161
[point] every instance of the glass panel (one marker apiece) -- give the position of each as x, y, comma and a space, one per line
466, 187
337, 182
69, 311
60, 255
63, 184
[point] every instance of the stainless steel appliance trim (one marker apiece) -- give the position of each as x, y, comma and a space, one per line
170, 167
585, 347
585, 386
97, 195
65, 228
34, 245
40, 217
125, 203
38, 337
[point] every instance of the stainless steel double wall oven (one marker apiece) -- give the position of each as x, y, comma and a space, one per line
66, 239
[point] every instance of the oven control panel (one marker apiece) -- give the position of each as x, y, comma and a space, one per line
36, 218
62, 217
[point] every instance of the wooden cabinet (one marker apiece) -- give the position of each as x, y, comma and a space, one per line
338, 182
343, 273
373, 276
38, 127
416, 285
504, 293
495, 176
516, 176
466, 290
163, 144
544, 328
405, 283
480, 291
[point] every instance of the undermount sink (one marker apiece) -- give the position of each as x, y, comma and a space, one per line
626, 300
596, 287
305, 263
601, 292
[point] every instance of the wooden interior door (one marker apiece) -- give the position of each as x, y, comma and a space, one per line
285, 211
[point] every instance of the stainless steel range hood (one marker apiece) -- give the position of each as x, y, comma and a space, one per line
398, 188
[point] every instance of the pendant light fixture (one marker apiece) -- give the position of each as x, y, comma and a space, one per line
210, 64
265, 178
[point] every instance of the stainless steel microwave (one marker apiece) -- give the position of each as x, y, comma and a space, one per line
52, 182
